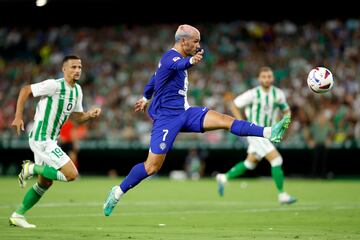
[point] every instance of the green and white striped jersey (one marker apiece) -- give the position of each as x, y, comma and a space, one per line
262, 107
58, 100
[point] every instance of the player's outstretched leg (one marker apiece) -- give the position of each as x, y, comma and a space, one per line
214, 120
279, 129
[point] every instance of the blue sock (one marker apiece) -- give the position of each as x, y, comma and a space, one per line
245, 128
135, 176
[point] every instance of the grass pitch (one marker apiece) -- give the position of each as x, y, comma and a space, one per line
165, 209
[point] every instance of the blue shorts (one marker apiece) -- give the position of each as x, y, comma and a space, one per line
166, 128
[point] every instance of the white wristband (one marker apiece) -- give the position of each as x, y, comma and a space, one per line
191, 61
145, 99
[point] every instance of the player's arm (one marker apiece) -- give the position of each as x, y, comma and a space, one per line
142, 103
177, 63
82, 117
44, 88
240, 102
229, 101
18, 122
149, 88
79, 115
284, 106
236, 111
287, 111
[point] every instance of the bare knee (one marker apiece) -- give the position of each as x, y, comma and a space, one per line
215, 120
154, 162
69, 170
249, 164
152, 168
226, 121
71, 175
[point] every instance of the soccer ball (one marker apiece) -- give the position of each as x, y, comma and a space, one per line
320, 80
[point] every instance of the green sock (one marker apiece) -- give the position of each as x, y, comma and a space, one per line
278, 176
31, 197
236, 170
49, 172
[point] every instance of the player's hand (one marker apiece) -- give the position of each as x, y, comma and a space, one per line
140, 105
94, 113
18, 124
197, 57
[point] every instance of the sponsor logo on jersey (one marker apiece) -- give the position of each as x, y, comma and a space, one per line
176, 58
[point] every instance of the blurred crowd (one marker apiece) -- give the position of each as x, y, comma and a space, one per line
119, 60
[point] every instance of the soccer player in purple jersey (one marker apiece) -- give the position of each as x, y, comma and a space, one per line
171, 112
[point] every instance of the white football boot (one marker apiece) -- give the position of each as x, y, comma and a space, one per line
285, 198
25, 175
19, 221
221, 181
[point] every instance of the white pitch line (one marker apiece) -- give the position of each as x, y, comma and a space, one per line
182, 203
309, 207
158, 203
346, 207
191, 212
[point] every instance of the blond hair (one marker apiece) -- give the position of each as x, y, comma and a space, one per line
185, 31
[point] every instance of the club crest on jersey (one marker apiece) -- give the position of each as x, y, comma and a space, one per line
162, 146
176, 58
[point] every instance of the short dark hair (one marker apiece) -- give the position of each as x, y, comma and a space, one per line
264, 69
70, 57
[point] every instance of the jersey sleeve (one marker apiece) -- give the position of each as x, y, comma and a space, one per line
282, 101
175, 62
149, 88
44, 88
244, 99
78, 105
